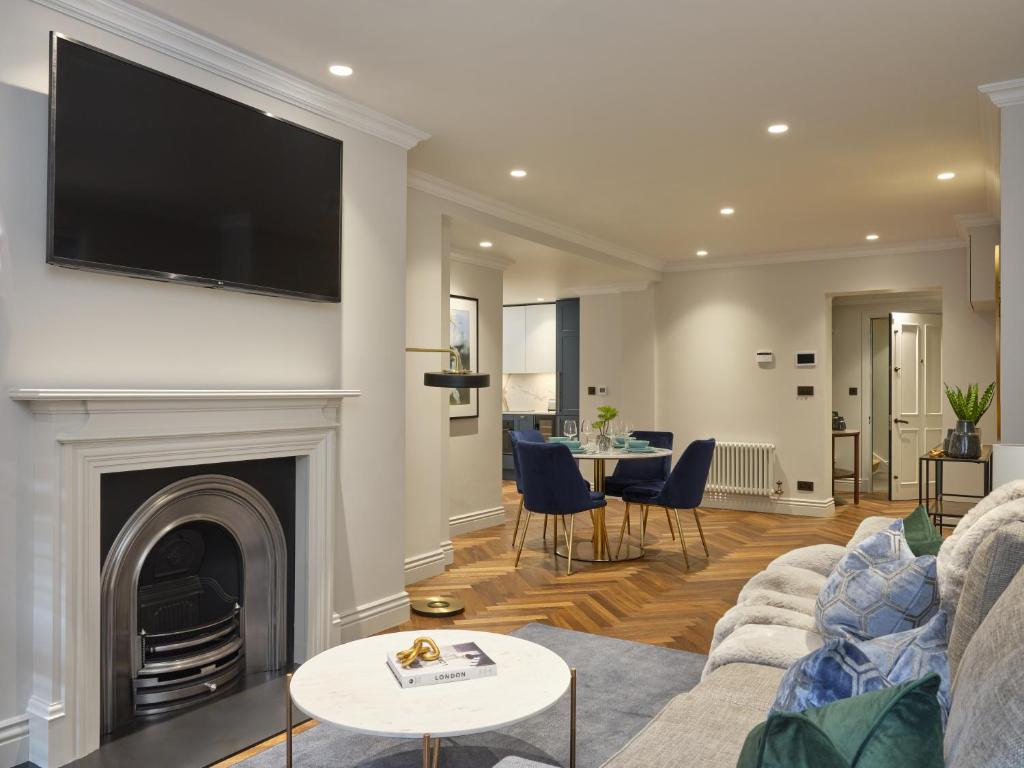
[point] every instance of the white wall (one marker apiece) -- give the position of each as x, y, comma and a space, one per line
617, 351
60, 327
474, 445
427, 537
1012, 272
711, 322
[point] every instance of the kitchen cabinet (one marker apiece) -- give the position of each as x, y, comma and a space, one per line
567, 363
528, 339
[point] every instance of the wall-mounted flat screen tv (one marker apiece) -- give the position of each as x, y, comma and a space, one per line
154, 177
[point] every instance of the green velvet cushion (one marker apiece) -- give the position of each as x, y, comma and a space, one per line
922, 537
899, 727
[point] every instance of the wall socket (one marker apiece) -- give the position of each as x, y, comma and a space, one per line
602, 390
805, 391
853, 391
591, 390
804, 485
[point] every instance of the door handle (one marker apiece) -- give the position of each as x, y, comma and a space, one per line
900, 421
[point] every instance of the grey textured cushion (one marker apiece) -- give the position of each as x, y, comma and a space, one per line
707, 726
986, 721
993, 567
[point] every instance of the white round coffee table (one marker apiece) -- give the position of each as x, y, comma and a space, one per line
352, 687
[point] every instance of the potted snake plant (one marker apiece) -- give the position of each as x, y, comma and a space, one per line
964, 442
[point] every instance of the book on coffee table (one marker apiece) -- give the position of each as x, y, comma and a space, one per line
461, 661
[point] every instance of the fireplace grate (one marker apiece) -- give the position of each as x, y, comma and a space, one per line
185, 658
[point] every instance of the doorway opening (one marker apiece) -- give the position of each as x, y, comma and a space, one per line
887, 386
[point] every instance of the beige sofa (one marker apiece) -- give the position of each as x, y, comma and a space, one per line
706, 727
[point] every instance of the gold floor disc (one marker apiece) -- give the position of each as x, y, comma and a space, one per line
437, 606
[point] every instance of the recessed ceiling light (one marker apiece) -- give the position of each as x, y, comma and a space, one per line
269, 114
486, 243
540, 298
340, 70
946, 176
517, 173
727, 211
778, 128
872, 236
702, 253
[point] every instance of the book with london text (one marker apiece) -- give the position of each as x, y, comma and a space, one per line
461, 661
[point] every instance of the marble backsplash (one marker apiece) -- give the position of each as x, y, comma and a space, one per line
527, 391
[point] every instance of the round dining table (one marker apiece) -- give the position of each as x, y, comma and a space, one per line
598, 549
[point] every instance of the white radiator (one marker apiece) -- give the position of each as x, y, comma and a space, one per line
745, 468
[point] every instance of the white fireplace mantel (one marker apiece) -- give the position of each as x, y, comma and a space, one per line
81, 434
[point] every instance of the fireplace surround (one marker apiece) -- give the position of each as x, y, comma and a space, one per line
81, 435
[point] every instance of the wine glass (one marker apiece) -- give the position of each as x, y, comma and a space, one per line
569, 428
586, 435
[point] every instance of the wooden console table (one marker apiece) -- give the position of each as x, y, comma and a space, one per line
839, 473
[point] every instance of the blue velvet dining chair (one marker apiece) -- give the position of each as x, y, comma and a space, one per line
684, 489
554, 486
636, 471
516, 437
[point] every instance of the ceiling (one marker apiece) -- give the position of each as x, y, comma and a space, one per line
638, 122
538, 272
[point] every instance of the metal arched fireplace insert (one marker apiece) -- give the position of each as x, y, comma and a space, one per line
194, 595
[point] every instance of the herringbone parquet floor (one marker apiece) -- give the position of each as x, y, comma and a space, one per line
653, 600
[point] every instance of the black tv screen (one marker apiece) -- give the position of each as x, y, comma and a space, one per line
157, 178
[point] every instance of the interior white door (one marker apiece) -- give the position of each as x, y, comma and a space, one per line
917, 396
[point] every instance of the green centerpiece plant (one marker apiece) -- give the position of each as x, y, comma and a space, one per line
964, 442
605, 416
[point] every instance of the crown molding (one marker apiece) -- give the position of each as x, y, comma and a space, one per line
171, 39
446, 190
611, 288
968, 221
1008, 93
825, 254
488, 260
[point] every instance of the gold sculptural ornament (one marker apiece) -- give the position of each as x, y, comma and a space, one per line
422, 648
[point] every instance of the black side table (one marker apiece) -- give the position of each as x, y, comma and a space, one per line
940, 508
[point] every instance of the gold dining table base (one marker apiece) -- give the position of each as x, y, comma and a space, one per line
598, 549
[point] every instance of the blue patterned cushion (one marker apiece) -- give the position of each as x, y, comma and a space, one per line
877, 589
843, 668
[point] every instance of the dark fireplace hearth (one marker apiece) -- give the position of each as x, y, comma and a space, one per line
194, 596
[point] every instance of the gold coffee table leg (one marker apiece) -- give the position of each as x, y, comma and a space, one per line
288, 719
572, 717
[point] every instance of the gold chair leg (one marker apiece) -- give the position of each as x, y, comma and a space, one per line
572, 528
526, 527
700, 530
669, 518
288, 719
682, 540
519, 516
546, 528
622, 531
643, 528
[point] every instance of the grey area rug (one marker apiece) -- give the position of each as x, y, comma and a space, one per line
620, 686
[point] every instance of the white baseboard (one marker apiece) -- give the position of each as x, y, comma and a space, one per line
367, 619
474, 521
780, 505
425, 565
14, 740
449, 551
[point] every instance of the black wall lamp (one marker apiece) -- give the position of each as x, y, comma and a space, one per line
456, 377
